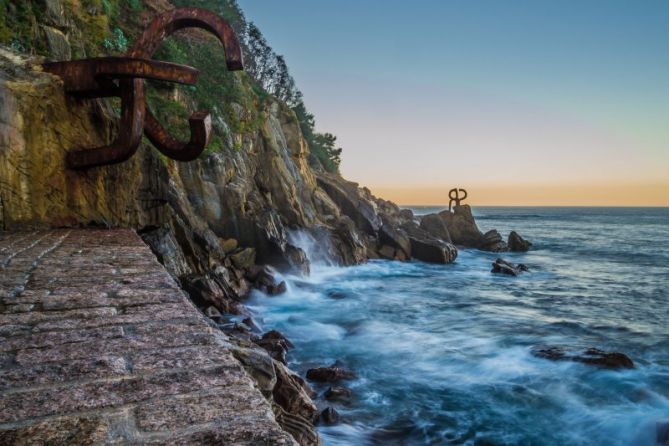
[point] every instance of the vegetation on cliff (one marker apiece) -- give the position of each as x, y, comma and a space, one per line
237, 101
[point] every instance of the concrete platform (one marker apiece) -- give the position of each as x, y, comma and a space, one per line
98, 345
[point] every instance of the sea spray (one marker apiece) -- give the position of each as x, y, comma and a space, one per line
316, 246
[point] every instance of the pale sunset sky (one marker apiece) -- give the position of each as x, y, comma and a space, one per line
521, 102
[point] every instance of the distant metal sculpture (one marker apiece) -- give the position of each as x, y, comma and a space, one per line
454, 195
124, 77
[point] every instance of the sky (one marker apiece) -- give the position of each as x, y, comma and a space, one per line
521, 102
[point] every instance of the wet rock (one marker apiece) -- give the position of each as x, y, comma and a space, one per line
462, 226
264, 280
330, 416
492, 241
213, 312
275, 290
349, 243
517, 243
276, 344
293, 394
238, 331
258, 364
434, 225
464, 232
590, 356
501, 266
251, 323
165, 246
336, 294
390, 234
432, 251
427, 248
206, 290
338, 393
301, 429
332, 373
297, 259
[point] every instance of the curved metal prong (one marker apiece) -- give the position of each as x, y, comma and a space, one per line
200, 134
129, 135
200, 123
168, 22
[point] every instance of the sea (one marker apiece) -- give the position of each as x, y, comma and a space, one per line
442, 353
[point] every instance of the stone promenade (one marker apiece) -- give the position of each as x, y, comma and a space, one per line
98, 345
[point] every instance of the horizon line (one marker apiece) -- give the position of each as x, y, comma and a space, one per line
624, 206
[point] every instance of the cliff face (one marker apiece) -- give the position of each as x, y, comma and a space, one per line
214, 222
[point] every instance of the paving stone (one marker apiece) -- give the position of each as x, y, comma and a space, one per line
98, 345
50, 339
73, 370
110, 393
60, 431
183, 411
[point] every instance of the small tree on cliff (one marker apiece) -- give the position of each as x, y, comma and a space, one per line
270, 72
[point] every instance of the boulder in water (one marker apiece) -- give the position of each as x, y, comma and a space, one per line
330, 416
462, 226
492, 241
264, 280
501, 266
590, 356
432, 251
332, 373
517, 243
338, 393
427, 248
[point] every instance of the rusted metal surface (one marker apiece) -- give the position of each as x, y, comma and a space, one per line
454, 196
124, 77
90, 77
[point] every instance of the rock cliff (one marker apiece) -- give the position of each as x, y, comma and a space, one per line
216, 223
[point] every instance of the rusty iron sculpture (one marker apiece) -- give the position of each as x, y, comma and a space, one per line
454, 195
124, 77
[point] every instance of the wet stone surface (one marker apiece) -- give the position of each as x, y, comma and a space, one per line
98, 345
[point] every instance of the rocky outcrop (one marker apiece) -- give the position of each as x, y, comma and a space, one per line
331, 373
462, 226
329, 416
517, 243
501, 266
492, 241
338, 393
459, 227
290, 394
590, 356
435, 225
275, 344
426, 247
